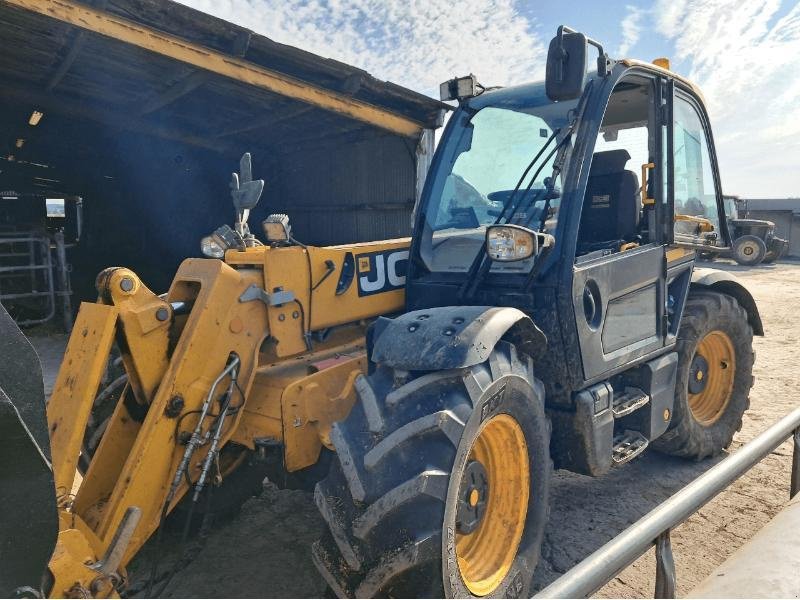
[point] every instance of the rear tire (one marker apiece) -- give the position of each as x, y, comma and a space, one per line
715, 374
418, 460
749, 250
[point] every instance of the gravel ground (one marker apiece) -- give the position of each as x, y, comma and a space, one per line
265, 550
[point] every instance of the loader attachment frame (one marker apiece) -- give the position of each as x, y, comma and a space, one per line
232, 360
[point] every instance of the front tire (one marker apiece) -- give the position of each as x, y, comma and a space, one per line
709, 256
749, 250
715, 374
770, 257
441, 485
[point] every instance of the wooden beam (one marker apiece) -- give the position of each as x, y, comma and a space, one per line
241, 43
351, 136
358, 208
25, 177
130, 32
72, 149
96, 114
72, 54
65, 147
327, 142
269, 120
180, 88
74, 50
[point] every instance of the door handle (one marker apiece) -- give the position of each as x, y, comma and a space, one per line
645, 200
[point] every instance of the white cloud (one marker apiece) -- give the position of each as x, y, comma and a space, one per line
631, 30
417, 44
746, 60
743, 56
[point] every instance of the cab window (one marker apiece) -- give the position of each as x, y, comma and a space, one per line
696, 210
501, 170
612, 214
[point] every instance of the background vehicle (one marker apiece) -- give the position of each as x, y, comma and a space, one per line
549, 312
754, 240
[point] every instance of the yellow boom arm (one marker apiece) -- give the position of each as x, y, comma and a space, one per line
271, 337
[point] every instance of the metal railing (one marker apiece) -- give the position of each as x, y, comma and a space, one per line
588, 576
28, 273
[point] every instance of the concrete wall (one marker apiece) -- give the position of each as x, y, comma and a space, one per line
787, 226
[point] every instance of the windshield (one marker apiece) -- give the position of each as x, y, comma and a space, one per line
484, 157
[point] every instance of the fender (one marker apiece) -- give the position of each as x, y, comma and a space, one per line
451, 337
726, 283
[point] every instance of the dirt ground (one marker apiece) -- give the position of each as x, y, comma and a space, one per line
265, 551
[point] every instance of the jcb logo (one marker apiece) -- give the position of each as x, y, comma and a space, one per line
381, 271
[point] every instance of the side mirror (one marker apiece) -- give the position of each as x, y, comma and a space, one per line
566, 65
245, 191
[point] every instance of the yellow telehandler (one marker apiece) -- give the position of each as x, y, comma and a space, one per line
546, 312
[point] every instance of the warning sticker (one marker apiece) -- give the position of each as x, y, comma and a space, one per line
603, 201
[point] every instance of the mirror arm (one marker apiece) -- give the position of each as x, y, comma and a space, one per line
603, 61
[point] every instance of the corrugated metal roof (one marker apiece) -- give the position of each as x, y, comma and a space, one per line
148, 106
222, 35
93, 83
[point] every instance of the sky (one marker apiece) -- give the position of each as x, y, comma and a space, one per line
744, 54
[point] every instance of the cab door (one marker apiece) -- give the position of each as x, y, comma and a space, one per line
694, 207
697, 202
619, 273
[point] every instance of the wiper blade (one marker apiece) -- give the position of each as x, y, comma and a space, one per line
480, 266
510, 201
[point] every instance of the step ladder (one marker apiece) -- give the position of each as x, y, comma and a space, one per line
628, 446
631, 399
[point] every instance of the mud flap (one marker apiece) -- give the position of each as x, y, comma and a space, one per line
29, 518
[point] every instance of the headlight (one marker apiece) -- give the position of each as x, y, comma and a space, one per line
508, 243
224, 238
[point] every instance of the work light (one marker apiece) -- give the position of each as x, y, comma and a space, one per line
460, 88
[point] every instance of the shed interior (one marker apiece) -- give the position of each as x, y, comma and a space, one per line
145, 106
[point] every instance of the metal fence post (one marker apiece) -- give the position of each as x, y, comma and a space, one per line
794, 487
665, 567
65, 291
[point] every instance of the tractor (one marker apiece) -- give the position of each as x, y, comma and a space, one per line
546, 313
753, 240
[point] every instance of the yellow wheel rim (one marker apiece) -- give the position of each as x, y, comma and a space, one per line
711, 375
486, 553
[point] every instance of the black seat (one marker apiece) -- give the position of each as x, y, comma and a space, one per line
611, 205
